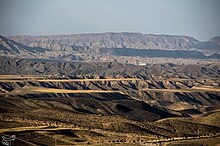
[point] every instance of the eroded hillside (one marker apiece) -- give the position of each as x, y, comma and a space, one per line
74, 103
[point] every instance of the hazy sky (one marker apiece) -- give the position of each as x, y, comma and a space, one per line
196, 18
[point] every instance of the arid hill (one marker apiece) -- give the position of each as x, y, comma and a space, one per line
148, 71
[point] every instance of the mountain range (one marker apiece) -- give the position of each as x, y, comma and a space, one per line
95, 47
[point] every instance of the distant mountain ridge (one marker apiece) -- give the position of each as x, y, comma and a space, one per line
107, 40
82, 47
215, 39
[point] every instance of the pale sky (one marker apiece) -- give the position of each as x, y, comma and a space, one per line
197, 18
